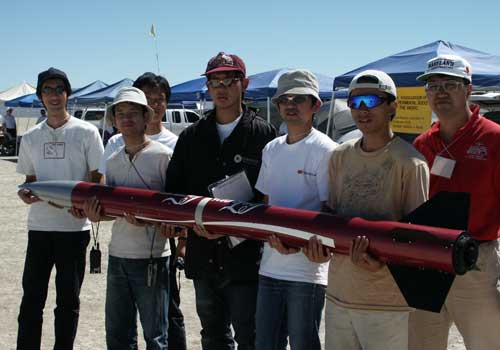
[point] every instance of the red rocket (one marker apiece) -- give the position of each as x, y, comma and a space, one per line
423, 259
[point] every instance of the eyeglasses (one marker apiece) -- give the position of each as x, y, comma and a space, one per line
295, 99
215, 83
446, 85
58, 90
369, 101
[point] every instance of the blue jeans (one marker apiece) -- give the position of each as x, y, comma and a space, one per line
220, 306
127, 293
286, 308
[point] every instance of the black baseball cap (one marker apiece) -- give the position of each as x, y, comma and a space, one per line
52, 73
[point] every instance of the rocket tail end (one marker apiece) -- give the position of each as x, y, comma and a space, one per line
422, 289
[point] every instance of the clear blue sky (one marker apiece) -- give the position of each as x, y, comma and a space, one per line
109, 40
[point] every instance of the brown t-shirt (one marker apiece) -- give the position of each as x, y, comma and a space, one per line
382, 185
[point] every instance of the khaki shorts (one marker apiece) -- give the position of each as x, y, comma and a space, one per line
473, 304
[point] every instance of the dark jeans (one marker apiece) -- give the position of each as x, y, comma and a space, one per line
219, 307
287, 308
127, 293
176, 327
65, 250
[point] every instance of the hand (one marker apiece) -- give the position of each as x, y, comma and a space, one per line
202, 232
275, 243
133, 220
77, 213
360, 256
316, 251
27, 196
180, 250
92, 209
171, 231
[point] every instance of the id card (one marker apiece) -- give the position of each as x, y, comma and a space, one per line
443, 167
54, 150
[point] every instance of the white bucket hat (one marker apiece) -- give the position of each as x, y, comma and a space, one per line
451, 65
132, 95
297, 82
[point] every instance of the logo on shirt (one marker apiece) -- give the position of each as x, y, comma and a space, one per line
477, 151
303, 172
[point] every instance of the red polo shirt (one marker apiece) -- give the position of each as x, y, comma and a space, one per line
476, 150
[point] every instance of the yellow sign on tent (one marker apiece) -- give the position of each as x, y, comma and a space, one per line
414, 114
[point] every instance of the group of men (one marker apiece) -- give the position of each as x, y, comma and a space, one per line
262, 296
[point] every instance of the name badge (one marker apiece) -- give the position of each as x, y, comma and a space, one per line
443, 167
54, 150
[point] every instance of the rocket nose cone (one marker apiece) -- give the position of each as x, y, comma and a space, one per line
57, 193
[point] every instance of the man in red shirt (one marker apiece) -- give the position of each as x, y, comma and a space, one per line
463, 153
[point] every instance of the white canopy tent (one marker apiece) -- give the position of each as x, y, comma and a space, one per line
20, 89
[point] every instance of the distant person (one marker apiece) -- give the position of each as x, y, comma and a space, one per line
138, 267
227, 141
291, 292
62, 148
42, 116
157, 91
463, 152
9, 123
376, 177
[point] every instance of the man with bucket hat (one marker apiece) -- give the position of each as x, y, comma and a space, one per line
376, 177
138, 267
291, 288
62, 148
227, 141
463, 153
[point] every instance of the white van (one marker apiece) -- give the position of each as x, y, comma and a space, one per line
92, 115
177, 120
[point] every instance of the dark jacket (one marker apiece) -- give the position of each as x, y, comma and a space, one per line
199, 160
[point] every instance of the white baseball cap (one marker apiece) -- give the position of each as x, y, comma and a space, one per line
132, 95
374, 79
451, 65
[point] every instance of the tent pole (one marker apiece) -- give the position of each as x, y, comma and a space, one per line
330, 113
268, 110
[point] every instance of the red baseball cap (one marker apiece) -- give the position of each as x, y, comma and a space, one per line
225, 63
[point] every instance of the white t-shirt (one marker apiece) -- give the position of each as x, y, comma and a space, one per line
127, 240
69, 152
295, 176
115, 143
9, 121
225, 130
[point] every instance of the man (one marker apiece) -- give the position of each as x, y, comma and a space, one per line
157, 91
228, 140
63, 148
376, 177
9, 123
138, 267
291, 292
42, 116
463, 153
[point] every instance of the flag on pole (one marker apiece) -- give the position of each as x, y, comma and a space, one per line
152, 31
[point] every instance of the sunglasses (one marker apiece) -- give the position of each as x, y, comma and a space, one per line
215, 83
446, 85
369, 101
295, 99
58, 90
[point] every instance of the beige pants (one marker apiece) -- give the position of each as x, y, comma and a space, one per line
351, 329
473, 303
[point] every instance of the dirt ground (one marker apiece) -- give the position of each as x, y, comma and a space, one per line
91, 334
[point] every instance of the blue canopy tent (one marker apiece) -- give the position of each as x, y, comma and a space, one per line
32, 100
192, 90
104, 95
404, 67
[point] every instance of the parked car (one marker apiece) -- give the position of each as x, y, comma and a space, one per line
177, 120
92, 115
489, 102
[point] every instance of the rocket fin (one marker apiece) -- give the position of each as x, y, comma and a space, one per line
423, 289
445, 209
